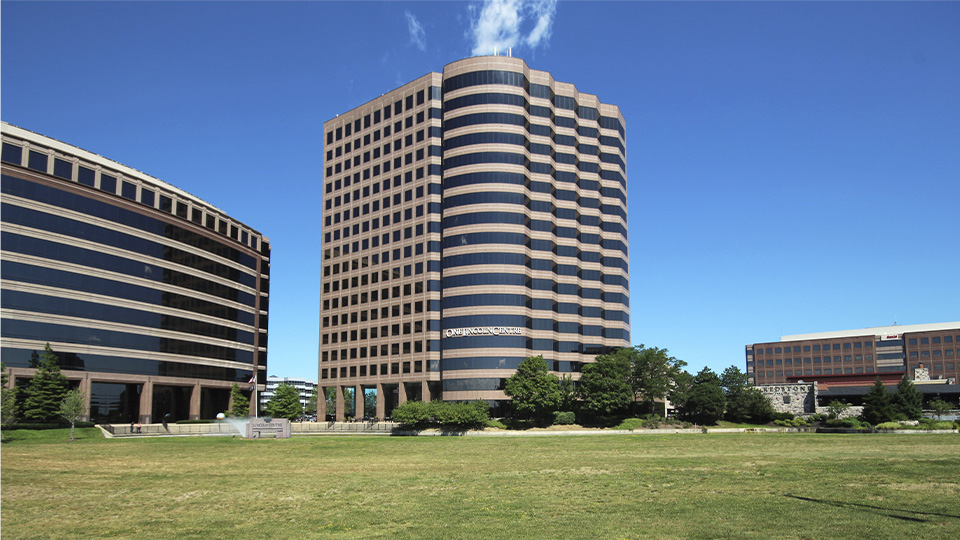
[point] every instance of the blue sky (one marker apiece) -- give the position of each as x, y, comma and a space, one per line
792, 167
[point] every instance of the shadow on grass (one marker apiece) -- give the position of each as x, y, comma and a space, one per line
875, 509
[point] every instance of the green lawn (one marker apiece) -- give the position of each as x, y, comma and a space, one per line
590, 487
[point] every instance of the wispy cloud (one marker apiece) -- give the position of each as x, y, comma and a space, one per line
417, 36
499, 24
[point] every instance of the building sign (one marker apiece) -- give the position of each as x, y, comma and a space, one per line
278, 427
485, 331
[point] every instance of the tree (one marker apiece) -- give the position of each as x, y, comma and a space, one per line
940, 407
837, 408
8, 398
908, 400
239, 403
46, 390
311, 406
706, 400
285, 402
534, 391
604, 385
73, 407
877, 406
653, 373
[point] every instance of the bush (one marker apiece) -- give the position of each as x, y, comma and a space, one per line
851, 423
196, 421
793, 422
782, 416
890, 425
496, 424
39, 426
419, 415
630, 424
564, 418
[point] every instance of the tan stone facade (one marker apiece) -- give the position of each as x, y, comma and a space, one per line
471, 218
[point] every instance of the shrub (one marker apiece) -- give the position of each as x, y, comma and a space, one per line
496, 424
564, 418
889, 425
782, 416
793, 422
630, 424
419, 415
413, 415
850, 422
39, 426
196, 421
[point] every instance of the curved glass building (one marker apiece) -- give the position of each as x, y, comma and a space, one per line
496, 196
155, 301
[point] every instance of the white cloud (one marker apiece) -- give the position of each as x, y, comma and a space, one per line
417, 36
498, 25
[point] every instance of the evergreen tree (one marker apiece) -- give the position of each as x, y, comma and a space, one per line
285, 403
239, 403
46, 390
534, 391
744, 403
908, 400
877, 406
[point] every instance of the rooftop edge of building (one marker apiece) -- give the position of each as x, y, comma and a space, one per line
57, 145
876, 331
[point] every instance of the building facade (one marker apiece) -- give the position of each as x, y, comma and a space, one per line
472, 218
155, 301
846, 363
305, 388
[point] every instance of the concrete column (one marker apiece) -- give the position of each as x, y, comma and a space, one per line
358, 402
195, 402
321, 404
402, 398
425, 392
381, 403
146, 402
339, 414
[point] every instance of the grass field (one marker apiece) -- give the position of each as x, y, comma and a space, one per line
572, 487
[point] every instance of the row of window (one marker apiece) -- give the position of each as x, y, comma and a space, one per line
87, 335
384, 331
97, 260
13, 271
398, 162
132, 366
936, 354
517, 139
512, 78
807, 348
817, 360
43, 221
375, 136
521, 259
109, 212
933, 340
63, 169
533, 110
376, 351
374, 118
825, 371
38, 303
373, 370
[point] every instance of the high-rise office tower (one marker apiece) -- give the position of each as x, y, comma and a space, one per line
471, 219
